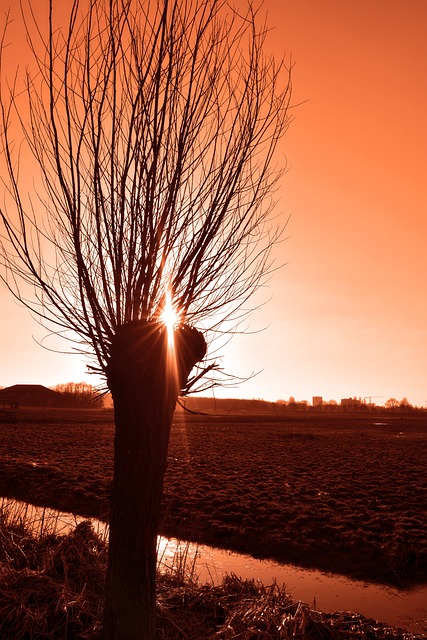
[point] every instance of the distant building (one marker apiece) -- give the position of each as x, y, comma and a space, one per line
317, 401
351, 403
29, 395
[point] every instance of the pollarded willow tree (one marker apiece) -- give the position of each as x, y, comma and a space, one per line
152, 128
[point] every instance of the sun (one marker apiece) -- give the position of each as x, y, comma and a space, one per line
169, 316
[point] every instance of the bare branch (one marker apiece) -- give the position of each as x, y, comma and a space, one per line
154, 128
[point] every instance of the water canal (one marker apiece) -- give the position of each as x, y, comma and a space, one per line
323, 591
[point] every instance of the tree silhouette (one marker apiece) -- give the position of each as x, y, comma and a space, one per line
391, 403
142, 184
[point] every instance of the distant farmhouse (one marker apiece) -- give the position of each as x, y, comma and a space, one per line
29, 395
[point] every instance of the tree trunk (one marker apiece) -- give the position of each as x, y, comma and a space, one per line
144, 378
140, 454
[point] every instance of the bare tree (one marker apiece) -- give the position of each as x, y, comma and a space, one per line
391, 403
153, 127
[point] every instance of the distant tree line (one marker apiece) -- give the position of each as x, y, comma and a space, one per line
257, 405
392, 403
79, 395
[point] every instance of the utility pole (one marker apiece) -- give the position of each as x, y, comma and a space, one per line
370, 398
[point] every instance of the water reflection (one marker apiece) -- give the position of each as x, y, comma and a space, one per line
326, 592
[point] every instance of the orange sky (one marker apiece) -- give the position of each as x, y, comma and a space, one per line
348, 312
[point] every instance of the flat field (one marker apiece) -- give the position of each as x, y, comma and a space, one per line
341, 492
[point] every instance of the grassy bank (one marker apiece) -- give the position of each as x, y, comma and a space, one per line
51, 587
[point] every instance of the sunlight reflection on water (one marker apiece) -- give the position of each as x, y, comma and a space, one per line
329, 592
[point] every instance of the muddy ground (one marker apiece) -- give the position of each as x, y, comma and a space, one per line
339, 492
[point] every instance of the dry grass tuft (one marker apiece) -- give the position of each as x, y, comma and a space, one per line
246, 610
51, 588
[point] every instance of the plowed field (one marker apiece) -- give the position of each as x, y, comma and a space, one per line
340, 492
